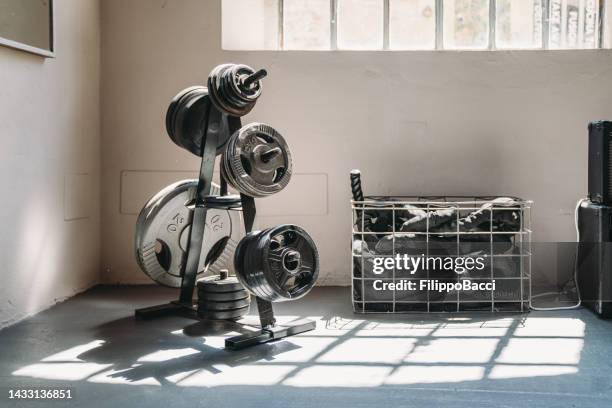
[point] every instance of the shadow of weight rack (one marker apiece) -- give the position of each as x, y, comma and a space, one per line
276, 264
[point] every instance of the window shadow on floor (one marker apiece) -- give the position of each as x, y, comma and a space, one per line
540, 355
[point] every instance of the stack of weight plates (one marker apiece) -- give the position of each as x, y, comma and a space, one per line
222, 298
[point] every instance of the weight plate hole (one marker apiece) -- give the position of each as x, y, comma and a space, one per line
246, 164
274, 244
163, 254
278, 174
216, 251
291, 261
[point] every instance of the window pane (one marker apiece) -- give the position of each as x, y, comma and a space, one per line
360, 24
306, 24
412, 24
466, 24
574, 24
519, 23
262, 31
607, 25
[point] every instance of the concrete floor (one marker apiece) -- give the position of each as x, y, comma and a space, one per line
92, 345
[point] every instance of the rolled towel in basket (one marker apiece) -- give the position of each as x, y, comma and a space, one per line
503, 220
437, 219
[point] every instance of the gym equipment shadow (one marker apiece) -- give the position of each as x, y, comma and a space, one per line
88, 344
126, 341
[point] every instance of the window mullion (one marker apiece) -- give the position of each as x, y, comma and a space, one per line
280, 41
492, 24
439, 25
545, 23
601, 31
334, 24
386, 24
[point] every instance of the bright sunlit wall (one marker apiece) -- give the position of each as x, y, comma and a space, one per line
415, 24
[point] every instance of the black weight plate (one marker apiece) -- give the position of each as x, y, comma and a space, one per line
293, 238
212, 284
191, 117
215, 306
187, 114
224, 314
226, 92
240, 256
223, 296
173, 109
178, 114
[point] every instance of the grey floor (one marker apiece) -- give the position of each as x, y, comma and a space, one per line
92, 345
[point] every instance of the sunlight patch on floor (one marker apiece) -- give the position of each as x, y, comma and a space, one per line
115, 377
501, 371
366, 350
308, 349
165, 355
416, 374
339, 376
551, 327
61, 371
542, 351
243, 375
447, 350
341, 352
72, 354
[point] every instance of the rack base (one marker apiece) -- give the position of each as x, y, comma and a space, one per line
254, 338
269, 334
166, 309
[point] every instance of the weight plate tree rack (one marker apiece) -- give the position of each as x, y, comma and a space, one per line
213, 133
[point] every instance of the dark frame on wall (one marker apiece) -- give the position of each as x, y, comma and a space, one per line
48, 52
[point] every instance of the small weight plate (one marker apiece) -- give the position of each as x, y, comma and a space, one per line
223, 296
162, 232
226, 91
232, 314
213, 284
235, 304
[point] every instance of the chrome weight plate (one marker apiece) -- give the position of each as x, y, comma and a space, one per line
162, 233
257, 161
277, 264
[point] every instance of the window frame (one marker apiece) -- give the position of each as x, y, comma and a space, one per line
439, 29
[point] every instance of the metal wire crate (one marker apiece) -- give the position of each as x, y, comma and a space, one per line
494, 230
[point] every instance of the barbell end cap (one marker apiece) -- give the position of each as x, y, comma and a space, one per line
254, 77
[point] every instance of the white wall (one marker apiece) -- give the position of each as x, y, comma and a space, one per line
50, 166
414, 122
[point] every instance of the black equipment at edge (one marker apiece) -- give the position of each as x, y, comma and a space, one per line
594, 219
595, 257
600, 162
